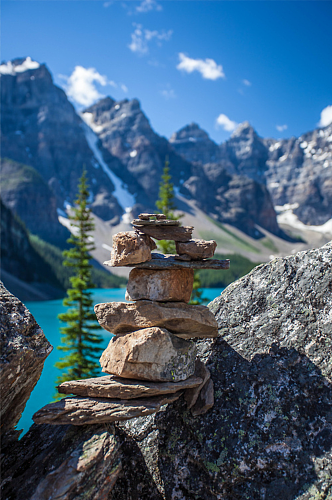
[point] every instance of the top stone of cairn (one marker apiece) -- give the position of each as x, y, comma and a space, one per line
133, 248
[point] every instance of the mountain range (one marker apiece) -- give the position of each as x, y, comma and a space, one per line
242, 183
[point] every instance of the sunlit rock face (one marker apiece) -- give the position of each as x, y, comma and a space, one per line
300, 173
24, 349
296, 171
268, 435
126, 133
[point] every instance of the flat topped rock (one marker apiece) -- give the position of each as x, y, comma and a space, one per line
160, 222
147, 216
82, 411
114, 387
160, 261
164, 231
184, 320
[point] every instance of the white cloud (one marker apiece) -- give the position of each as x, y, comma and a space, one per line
9, 69
168, 94
209, 69
81, 85
140, 38
325, 117
227, 124
246, 82
147, 5
281, 128
124, 88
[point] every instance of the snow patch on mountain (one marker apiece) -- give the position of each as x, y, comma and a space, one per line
126, 200
11, 69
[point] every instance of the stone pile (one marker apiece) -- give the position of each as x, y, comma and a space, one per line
150, 361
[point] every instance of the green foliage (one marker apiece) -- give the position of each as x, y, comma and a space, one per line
240, 266
53, 256
196, 295
166, 205
78, 337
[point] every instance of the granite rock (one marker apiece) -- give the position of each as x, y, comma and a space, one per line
150, 354
62, 462
24, 349
184, 320
197, 249
268, 435
122, 388
167, 285
129, 247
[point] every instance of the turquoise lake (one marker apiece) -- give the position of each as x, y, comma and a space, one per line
46, 315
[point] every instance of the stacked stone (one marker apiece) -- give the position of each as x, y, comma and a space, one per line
150, 361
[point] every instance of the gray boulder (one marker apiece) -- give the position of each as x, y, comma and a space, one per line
269, 433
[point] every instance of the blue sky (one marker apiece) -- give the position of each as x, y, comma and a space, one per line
217, 63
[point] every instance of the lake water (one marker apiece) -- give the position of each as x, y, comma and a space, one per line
46, 315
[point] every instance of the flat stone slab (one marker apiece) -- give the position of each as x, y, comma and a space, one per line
160, 222
184, 320
166, 285
82, 411
114, 387
160, 261
162, 231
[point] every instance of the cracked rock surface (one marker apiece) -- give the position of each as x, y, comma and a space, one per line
269, 433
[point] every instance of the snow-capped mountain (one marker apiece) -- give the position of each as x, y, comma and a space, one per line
297, 171
124, 157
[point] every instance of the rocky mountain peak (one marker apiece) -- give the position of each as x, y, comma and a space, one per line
191, 133
244, 130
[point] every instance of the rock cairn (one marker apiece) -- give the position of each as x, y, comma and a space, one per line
150, 361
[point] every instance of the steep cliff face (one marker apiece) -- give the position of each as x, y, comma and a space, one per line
296, 171
23, 270
300, 173
236, 200
125, 132
25, 192
41, 129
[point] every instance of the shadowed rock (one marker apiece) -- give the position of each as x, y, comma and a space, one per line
122, 388
82, 411
184, 320
191, 395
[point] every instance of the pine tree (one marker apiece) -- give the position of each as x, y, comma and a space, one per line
78, 337
166, 205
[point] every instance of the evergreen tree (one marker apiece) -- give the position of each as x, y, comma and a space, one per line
78, 337
166, 205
